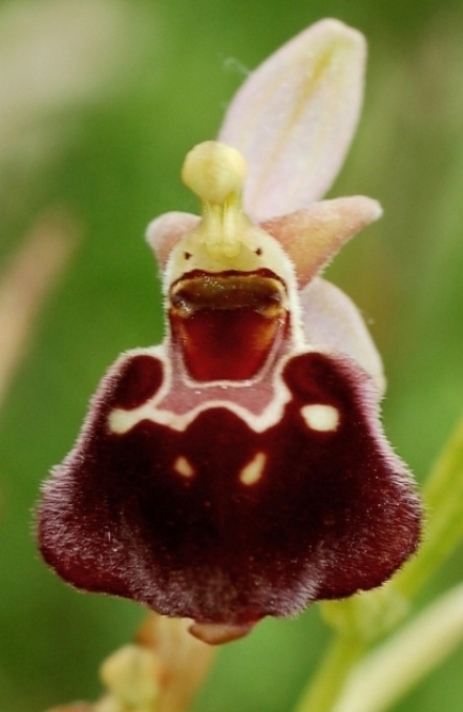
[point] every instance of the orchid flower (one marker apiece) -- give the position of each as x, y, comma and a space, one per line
239, 469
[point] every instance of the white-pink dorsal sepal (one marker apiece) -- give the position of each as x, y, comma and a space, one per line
295, 116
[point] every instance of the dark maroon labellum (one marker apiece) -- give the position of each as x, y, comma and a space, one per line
224, 521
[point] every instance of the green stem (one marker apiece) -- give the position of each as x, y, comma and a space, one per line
443, 496
323, 691
446, 472
393, 668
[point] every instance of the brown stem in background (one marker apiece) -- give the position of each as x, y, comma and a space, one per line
25, 283
160, 672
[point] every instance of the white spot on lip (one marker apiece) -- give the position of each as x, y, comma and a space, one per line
252, 472
183, 467
119, 421
324, 418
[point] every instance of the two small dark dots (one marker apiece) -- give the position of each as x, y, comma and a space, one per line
187, 255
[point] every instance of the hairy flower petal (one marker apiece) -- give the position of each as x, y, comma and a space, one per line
222, 519
332, 322
294, 118
166, 230
311, 237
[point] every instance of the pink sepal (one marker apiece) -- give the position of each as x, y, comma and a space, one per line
294, 118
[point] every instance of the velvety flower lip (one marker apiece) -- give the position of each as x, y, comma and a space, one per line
239, 469
261, 523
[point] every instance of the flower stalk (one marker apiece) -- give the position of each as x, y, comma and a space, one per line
390, 671
325, 688
443, 498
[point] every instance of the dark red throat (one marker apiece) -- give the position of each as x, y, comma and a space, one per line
227, 324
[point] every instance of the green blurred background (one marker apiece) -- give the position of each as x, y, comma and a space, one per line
155, 78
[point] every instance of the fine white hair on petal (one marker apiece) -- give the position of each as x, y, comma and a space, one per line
294, 118
332, 321
165, 231
311, 237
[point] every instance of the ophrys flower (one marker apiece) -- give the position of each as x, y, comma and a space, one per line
239, 469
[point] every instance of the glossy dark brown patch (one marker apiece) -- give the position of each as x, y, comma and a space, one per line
226, 324
230, 345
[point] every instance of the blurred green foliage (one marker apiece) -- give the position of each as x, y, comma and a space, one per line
117, 169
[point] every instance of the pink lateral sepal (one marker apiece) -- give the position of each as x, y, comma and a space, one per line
311, 237
225, 515
163, 233
332, 322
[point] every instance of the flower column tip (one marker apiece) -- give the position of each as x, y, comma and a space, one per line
214, 171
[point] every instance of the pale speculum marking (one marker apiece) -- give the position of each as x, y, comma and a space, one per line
252, 472
183, 467
324, 418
